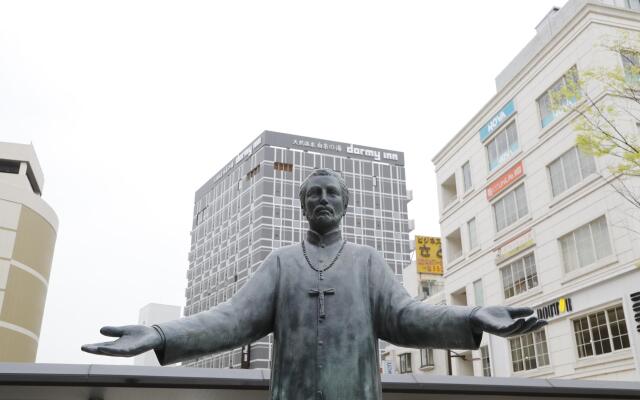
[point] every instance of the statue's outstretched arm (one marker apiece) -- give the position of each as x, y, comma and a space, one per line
407, 322
246, 317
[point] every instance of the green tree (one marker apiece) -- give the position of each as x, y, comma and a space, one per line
607, 101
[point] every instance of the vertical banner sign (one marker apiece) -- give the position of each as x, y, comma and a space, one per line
428, 255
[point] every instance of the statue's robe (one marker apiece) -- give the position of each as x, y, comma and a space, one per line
314, 357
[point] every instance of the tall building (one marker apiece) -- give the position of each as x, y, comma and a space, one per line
28, 229
527, 219
152, 314
251, 207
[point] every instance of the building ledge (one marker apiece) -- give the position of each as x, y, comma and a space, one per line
107, 382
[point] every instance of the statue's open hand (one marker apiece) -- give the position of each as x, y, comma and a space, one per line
505, 321
132, 340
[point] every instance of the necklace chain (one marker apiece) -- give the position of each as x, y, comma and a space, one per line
304, 251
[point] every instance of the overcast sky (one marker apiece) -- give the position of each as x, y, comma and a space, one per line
133, 105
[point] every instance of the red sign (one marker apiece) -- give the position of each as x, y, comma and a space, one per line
505, 180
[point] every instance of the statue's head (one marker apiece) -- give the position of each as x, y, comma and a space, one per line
324, 198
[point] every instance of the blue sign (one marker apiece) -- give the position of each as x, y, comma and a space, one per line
497, 120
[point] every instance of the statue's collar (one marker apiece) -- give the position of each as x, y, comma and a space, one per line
327, 239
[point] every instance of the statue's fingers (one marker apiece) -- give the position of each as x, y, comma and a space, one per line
512, 329
113, 331
526, 326
90, 348
539, 324
519, 312
114, 351
96, 348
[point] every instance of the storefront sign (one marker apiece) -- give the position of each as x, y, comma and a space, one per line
561, 306
505, 180
515, 246
428, 255
497, 120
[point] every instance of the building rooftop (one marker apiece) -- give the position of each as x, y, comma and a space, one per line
24, 153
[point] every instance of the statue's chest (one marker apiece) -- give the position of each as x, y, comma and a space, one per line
317, 296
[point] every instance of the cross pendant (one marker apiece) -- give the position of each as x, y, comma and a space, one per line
321, 293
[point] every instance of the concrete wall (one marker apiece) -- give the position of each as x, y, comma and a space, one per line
28, 229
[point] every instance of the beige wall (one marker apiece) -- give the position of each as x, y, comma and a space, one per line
26, 254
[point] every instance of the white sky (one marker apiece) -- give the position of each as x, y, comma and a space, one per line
133, 105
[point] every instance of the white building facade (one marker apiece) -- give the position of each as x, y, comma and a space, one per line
529, 220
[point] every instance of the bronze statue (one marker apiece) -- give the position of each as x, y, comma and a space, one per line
327, 302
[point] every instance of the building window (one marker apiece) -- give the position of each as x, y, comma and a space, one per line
430, 287
586, 245
449, 191
601, 332
454, 245
529, 351
478, 292
473, 237
633, 4
630, 65
503, 146
278, 166
547, 103
510, 208
466, 176
519, 276
486, 362
570, 169
9, 167
405, 363
254, 172
426, 357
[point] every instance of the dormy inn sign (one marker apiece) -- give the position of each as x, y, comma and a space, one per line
367, 152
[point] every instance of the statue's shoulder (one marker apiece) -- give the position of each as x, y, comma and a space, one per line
362, 249
287, 250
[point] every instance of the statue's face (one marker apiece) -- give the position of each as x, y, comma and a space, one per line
323, 204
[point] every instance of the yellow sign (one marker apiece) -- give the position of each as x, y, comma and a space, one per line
428, 255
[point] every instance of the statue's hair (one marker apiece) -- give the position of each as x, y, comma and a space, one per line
302, 194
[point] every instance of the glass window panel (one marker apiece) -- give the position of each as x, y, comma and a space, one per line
503, 148
466, 176
498, 209
542, 353
521, 199
473, 240
493, 155
507, 282
516, 354
486, 361
530, 267
569, 257
584, 246
512, 138
511, 213
478, 292
519, 279
587, 164
557, 177
571, 168
601, 237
